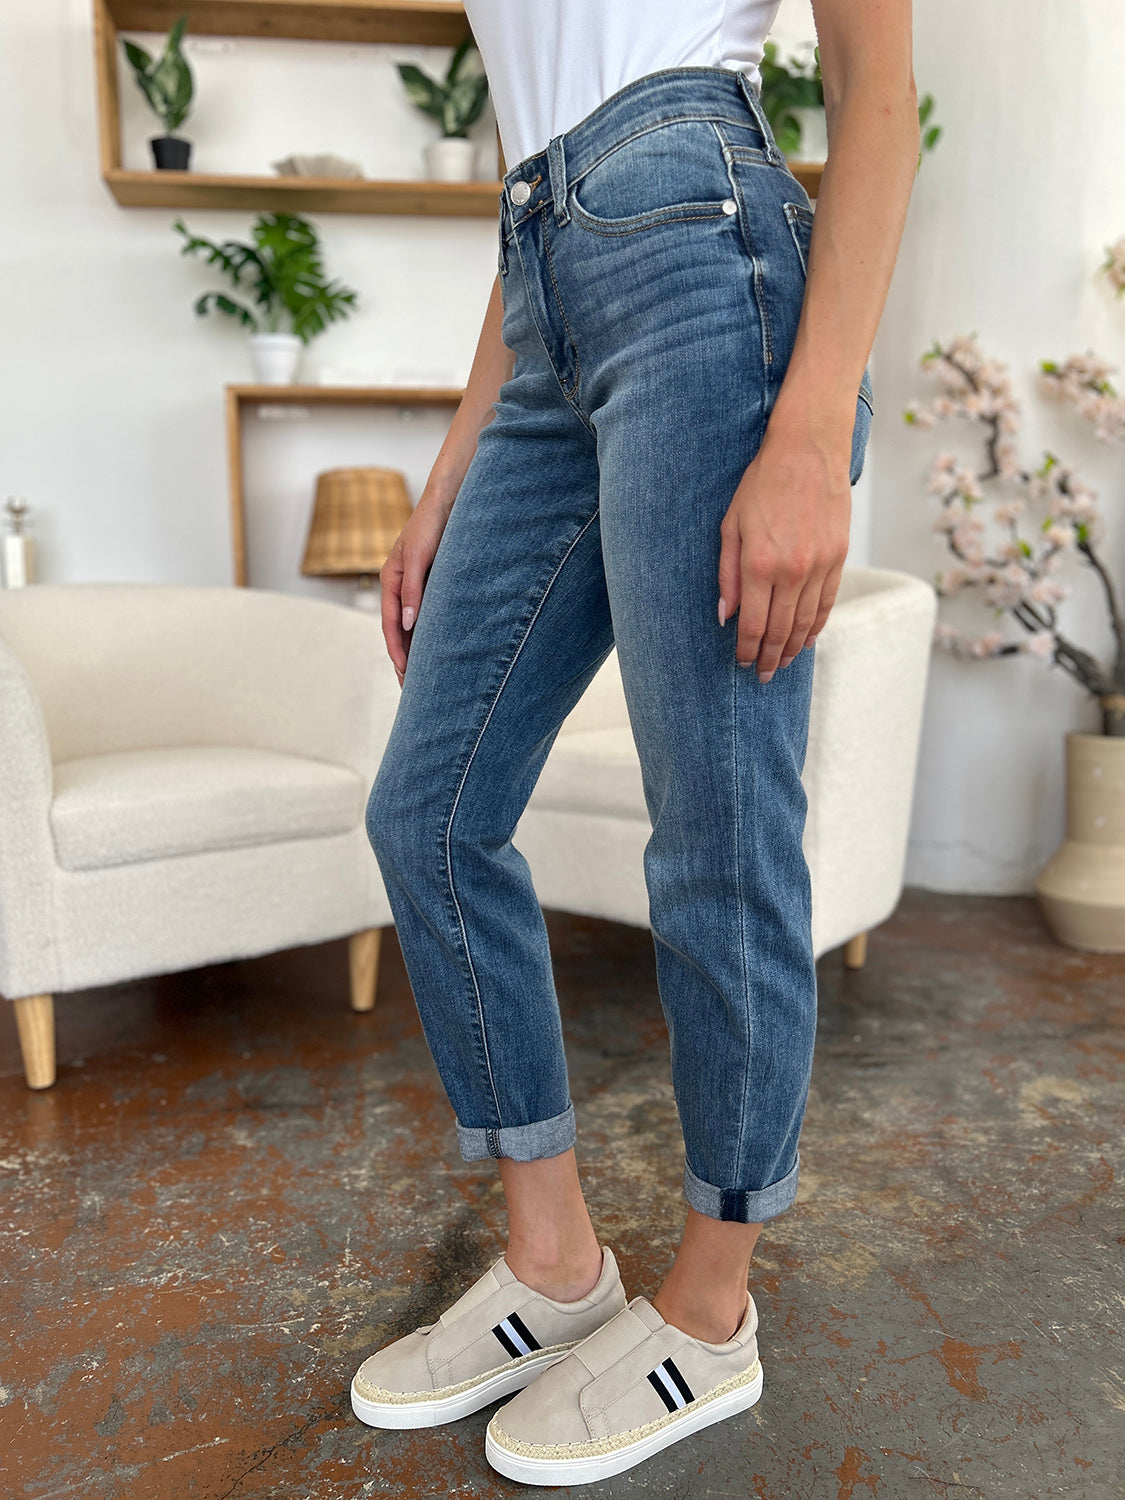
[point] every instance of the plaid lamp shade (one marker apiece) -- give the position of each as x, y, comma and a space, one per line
356, 517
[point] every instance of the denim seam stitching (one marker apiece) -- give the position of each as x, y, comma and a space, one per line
573, 392
457, 800
652, 219
709, 118
735, 669
756, 266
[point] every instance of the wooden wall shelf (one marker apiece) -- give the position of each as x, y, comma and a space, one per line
434, 23
423, 22
240, 396
329, 195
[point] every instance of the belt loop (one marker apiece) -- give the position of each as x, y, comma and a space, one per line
556, 170
756, 108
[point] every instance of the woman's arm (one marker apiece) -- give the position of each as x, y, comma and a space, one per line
785, 535
403, 576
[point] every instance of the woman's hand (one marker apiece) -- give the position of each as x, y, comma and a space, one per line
784, 540
403, 575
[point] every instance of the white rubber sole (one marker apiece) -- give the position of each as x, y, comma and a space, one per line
578, 1470
423, 1413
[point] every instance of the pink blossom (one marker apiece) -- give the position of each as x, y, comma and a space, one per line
1059, 534
1041, 644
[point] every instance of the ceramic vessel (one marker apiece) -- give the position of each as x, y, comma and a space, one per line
275, 357
814, 133
1081, 889
450, 159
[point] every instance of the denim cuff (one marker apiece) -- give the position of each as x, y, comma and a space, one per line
742, 1205
519, 1142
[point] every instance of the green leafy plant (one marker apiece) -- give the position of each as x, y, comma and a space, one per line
166, 80
797, 84
282, 271
456, 100
787, 86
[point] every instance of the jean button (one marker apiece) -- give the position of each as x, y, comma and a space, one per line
730, 206
521, 192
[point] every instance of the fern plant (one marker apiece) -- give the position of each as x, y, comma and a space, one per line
455, 101
165, 81
281, 269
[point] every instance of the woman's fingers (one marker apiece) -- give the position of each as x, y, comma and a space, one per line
390, 588
730, 566
804, 617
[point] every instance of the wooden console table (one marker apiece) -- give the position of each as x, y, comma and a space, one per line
239, 396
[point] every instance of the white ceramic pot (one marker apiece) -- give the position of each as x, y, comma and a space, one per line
814, 133
275, 357
450, 159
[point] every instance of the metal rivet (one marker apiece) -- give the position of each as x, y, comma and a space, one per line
730, 206
521, 192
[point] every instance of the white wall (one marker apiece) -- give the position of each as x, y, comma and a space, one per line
1006, 227
111, 400
110, 388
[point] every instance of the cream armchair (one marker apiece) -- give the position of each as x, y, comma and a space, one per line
183, 778
584, 829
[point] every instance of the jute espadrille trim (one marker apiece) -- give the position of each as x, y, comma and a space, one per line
405, 1398
621, 1439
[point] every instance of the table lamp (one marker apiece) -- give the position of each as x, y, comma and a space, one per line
356, 517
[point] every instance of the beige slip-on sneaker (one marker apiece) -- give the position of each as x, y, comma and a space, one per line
497, 1336
635, 1386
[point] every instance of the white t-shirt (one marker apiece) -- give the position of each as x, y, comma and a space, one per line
550, 62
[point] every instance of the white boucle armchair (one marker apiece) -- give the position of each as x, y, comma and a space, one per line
183, 778
585, 827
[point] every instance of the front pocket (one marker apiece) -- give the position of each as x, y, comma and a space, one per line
674, 170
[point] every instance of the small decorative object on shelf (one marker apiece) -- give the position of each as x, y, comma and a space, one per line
455, 102
357, 515
319, 164
19, 547
293, 300
167, 84
1081, 889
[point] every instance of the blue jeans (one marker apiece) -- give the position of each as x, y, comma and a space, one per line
653, 262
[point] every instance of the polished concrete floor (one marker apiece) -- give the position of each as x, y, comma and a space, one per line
238, 1187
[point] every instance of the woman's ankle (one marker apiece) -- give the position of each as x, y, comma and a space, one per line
564, 1275
712, 1320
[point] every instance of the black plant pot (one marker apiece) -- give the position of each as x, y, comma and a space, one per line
170, 152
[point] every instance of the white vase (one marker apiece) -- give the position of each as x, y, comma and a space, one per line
450, 159
814, 133
275, 357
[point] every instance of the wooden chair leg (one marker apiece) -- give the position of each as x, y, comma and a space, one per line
35, 1021
855, 953
363, 961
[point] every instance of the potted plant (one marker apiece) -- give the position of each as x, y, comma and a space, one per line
1081, 889
166, 83
793, 98
455, 101
291, 301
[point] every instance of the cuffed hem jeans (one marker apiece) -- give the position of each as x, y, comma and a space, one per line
652, 261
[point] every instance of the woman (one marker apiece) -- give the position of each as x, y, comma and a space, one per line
667, 407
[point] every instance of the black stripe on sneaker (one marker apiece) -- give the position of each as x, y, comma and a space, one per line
515, 1336
670, 1385
682, 1386
523, 1330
